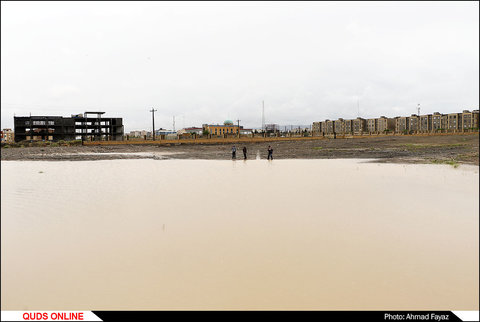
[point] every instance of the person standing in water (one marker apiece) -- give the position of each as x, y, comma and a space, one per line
234, 152
245, 153
270, 153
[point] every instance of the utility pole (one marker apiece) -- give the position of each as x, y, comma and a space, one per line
174, 123
238, 127
263, 115
418, 109
153, 122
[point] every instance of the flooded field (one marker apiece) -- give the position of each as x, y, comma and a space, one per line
215, 234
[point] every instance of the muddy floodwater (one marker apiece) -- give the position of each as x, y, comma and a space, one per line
215, 234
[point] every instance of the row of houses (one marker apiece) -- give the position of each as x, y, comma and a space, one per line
436, 122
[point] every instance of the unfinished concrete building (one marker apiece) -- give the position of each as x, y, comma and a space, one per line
78, 127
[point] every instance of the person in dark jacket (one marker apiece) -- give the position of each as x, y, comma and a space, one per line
270, 153
245, 153
234, 152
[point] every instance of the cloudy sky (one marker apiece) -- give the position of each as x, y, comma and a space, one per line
211, 61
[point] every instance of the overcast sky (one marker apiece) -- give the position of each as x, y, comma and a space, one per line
208, 62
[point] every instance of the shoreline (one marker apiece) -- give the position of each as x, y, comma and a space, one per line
454, 150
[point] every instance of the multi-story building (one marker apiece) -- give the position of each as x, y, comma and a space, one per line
339, 126
469, 120
414, 123
348, 125
54, 128
401, 124
385, 124
7, 135
330, 127
317, 127
425, 123
359, 125
454, 121
437, 123
372, 125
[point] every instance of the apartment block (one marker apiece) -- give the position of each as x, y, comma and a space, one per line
359, 125
372, 125
8, 136
454, 121
401, 124
317, 127
330, 127
469, 120
385, 124
339, 126
414, 123
425, 123
438, 121
348, 125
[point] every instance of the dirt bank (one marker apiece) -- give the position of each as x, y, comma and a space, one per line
451, 149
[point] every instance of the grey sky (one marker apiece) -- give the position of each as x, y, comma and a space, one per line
207, 62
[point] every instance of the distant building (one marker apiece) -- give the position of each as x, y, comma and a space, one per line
348, 125
317, 127
272, 128
454, 121
401, 124
372, 125
414, 123
54, 128
330, 127
359, 125
339, 126
469, 120
160, 132
385, 124
7, 136
245, 131
228, 128
425, 123
190, 131
438, 122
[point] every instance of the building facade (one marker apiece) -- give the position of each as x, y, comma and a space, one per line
452, 122
77, 127
228, 128
469, 120
385, 124
359, 125
7, 136
372, 125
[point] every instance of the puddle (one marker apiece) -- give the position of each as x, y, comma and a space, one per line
200, 234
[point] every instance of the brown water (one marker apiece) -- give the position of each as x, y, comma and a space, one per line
196, 234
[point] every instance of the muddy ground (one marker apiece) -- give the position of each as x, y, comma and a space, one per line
452, 149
